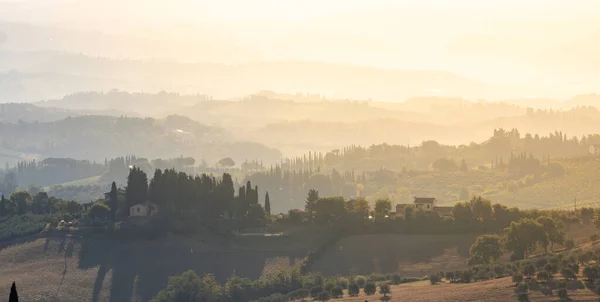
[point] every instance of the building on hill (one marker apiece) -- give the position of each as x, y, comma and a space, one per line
425, 203
594, 149
145, 209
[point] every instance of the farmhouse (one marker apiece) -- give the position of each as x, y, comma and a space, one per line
425, 204
143, 210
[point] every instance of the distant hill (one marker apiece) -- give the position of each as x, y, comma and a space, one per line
26, 112
100, 137
37, 76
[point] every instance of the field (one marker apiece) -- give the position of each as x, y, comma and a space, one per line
578, 182
498, 290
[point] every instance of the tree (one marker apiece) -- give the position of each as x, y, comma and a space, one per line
311, 202
563, 294
226, 162
529, 270
137, 187
370, 288
382, 207
360, 206
3, 206
20, 202
189, 287
462, 214
337, 292
444, 164
353, 289
568, 273
99, 211
486, 249
323, 296
267, 205
113, 202
591, 273
361, 281
524, 236
384, 289
544, 276
14, 297
315, 291
434, 278
554, 230
517, 278
481, 208
329, 209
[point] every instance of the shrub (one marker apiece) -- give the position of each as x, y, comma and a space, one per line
353, 289
449, 276
517, 278
314, 292
522, 288
541, 262
551, 268
396, 279
594, 237
434, 278
323, 296
343, 282
523, 297
481, 275
562, 293
328, 286
361, 281
370, 289
544, 276
591, 273
337, 292
529, 270
567, 273
466, 276
574, 267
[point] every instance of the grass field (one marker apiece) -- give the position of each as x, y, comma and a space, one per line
80, 182
579, 182
498, 290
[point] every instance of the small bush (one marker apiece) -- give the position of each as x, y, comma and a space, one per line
328, 286
466, 276
544, 276
434, 278
594, 237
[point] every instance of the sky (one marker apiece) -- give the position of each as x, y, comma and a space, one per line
506, 41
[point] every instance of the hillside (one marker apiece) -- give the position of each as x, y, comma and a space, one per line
95, 138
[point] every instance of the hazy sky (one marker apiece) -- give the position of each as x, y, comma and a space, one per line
506, 41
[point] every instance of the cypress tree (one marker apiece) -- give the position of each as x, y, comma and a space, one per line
267, 204
13, 293
114, 198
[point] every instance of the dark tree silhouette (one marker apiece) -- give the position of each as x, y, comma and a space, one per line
14, 297
267, 204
